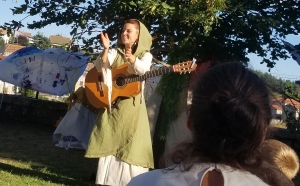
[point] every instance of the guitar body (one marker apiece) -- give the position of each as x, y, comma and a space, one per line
97, 91
124, 84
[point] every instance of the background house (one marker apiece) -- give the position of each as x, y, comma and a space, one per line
3, 35
276, 109
22, 37
8, 88
60, 41
10, 48
281, 107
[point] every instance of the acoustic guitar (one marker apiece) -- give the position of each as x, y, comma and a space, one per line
124, 84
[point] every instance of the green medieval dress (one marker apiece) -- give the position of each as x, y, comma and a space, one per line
124, 132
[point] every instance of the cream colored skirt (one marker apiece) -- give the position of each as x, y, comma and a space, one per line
78, 122
115, 172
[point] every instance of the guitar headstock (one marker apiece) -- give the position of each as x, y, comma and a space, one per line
184, 67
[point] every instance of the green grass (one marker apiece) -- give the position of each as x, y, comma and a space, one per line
28, 157
279, 125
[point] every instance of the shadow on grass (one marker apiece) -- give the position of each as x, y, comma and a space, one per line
41, 176
33, 145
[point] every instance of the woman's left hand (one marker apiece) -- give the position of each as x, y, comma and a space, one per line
128, 55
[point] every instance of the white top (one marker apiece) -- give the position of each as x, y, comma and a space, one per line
193, 177
139, 67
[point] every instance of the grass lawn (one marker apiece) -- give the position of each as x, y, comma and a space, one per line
28, 157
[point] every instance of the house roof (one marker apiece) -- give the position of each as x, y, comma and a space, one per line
292, 102
27, 34
60, 40
282, 101
4, 32
277, 107
12, 48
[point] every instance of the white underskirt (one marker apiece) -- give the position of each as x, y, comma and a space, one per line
78, 122
115, 172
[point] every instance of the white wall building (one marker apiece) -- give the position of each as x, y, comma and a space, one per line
6, 88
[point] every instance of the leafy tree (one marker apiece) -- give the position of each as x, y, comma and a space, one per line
280, 88
239, 28
286, 90
22, 40
205, 29
27, 92
40, 41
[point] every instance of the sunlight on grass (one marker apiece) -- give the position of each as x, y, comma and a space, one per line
16, 173
278, 125
16, 176
29, 157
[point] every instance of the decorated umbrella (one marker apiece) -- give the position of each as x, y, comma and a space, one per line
53, 71
295, 53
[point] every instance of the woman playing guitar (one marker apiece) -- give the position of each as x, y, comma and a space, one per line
121, 135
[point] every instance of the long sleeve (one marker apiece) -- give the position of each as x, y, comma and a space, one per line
141, 66
112, 53
107, 76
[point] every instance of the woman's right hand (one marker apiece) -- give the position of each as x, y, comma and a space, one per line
104, 40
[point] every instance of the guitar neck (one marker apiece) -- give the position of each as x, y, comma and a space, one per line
149, 74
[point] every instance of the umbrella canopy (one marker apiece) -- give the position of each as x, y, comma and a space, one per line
293, 51
53, 71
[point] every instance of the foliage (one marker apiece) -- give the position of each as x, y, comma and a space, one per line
173, 97
44, 98
27, 92
29, 157
287, 90
22, 40
11, 38
201, 29
278, 125
237, 28
279, 87
293, 124
40, 41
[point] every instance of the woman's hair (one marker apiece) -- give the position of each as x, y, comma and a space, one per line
134, 22
229, 117
230, 113
137, 26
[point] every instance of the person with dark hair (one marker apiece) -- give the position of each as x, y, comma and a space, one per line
228, 119
121, 135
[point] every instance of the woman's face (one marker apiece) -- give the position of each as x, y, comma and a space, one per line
129, 34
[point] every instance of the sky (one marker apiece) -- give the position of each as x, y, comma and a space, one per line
287, 67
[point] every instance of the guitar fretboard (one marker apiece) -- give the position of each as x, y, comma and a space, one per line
149, 74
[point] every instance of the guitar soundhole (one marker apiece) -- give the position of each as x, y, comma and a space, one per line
120, 81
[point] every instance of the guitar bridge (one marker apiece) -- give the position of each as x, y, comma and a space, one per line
100, 86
